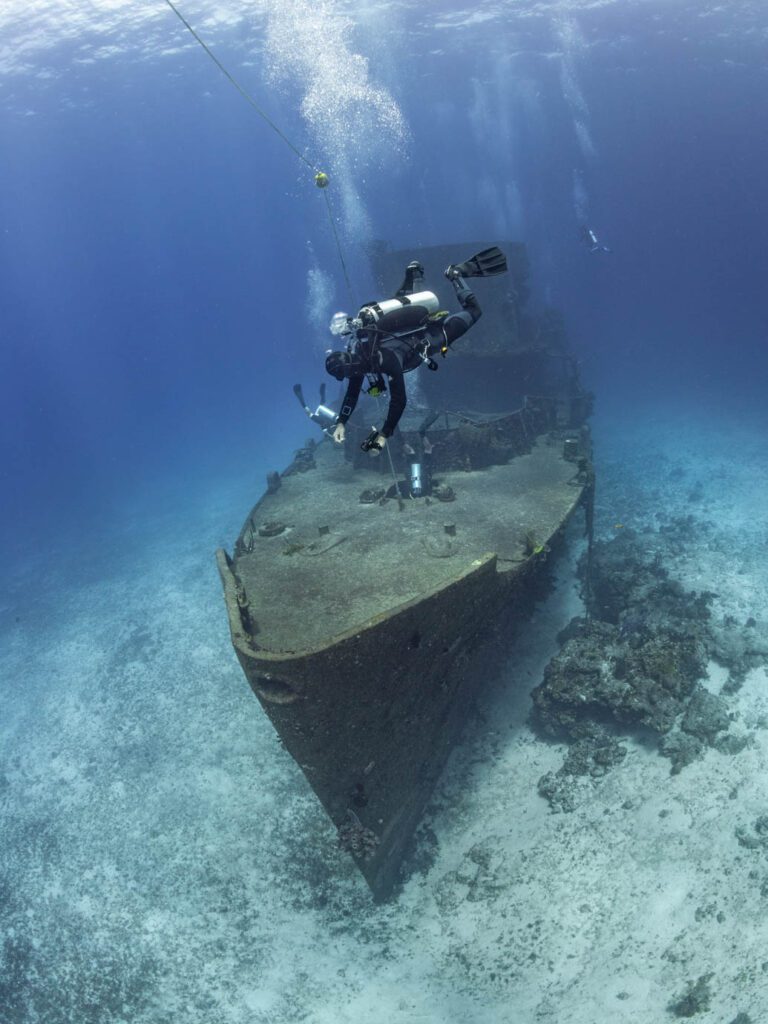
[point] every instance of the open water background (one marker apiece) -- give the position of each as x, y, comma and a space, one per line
167, 272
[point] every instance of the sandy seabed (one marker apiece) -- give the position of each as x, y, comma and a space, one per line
164, 862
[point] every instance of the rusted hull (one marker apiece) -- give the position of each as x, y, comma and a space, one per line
372, 716
360, 604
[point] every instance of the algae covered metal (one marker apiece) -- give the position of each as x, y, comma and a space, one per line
360, 592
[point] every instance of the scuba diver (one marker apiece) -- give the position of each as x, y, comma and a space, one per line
393, 337
322, 416
589, 237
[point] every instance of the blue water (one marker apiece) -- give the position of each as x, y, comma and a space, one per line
167, 271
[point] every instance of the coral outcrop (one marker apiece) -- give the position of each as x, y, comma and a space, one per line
636, 663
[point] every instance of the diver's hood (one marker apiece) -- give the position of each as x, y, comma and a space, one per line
341, 364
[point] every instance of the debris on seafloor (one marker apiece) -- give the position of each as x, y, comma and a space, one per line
695, 999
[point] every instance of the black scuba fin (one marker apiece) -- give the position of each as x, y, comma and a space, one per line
487, 263
300, 395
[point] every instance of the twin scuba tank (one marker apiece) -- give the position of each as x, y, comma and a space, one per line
401, 315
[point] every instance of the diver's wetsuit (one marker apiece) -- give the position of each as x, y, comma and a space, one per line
395, 355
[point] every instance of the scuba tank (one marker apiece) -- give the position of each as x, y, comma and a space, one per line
417, 480
406, 313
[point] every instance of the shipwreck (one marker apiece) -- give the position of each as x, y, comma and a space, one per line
361, 592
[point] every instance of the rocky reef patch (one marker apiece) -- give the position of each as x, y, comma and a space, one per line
637, 664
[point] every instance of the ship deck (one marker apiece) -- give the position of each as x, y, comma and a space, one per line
339, 563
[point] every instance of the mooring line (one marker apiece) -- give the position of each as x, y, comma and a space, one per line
322, 180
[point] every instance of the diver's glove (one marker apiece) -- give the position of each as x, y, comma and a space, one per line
414, 278
339, 433
375, 443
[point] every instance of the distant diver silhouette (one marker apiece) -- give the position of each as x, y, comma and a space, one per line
589, 238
